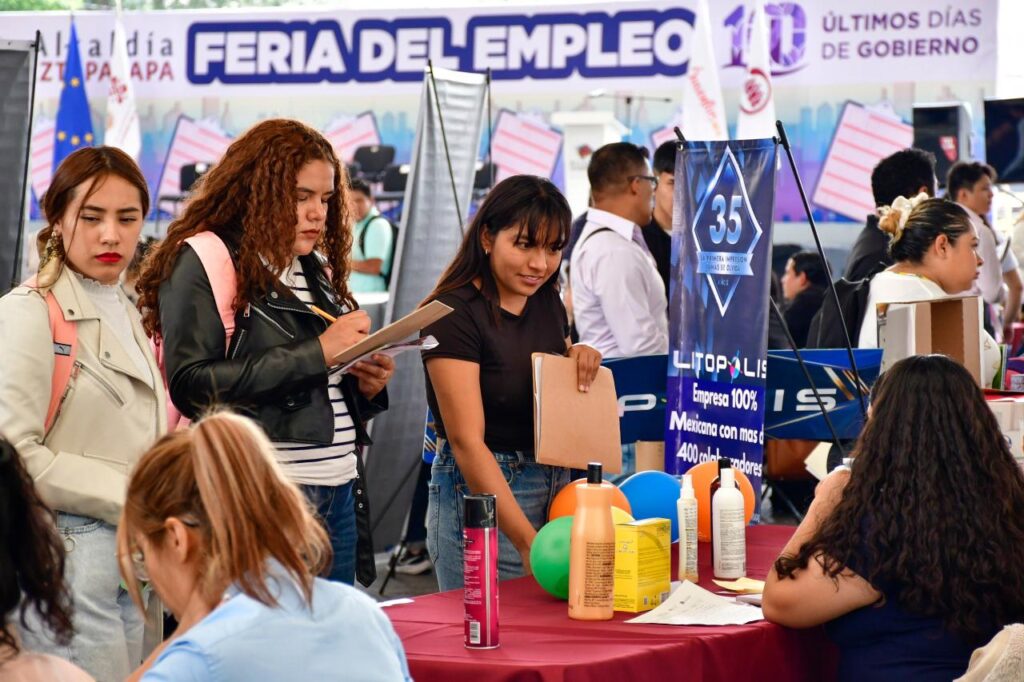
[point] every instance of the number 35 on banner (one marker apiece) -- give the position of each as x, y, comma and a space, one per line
727, 212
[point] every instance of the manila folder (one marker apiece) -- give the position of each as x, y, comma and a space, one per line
570, 428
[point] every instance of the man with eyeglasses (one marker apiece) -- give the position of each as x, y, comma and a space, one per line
618, 297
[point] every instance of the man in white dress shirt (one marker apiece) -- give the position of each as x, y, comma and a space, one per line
618, 297
999, 281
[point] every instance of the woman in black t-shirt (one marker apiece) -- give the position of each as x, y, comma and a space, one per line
503, 286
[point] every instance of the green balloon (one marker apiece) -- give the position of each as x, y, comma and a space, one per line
549, 557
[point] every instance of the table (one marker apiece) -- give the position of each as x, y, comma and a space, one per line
539, 642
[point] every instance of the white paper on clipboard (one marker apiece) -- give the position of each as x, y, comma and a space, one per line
424, 343
393, 334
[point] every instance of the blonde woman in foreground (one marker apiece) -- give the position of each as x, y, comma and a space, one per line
231, 547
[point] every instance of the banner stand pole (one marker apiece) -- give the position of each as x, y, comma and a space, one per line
444, 140
783, 139
26, 173
490, 135
807, 375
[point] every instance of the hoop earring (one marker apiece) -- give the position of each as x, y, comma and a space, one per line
53, 246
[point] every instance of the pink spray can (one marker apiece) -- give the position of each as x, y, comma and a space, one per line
480, 557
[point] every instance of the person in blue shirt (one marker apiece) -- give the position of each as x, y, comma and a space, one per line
373, 243
230, 546
912, 556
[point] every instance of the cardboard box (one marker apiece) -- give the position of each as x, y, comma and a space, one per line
650, 455
951, 326
1009, 413
643, 564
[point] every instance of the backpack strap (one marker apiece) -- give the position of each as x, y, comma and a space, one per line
65, 352
220, 270
587, 238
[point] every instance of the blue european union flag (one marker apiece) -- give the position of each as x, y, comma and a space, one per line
74, 124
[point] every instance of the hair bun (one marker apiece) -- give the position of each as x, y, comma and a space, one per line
890, 220
893, 218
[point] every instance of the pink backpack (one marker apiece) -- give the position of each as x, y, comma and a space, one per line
220, 270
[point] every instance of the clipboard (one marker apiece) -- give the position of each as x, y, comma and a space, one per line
570, 428
395, 332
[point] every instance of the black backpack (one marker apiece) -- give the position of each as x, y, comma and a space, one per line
826, 331
394, 247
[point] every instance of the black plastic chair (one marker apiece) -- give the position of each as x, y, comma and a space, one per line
190, 175
482, 179
395, 178
374, 160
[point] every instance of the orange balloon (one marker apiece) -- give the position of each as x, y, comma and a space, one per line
703, 474
564, 503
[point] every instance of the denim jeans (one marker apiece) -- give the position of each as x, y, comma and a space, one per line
533, 485
335, 507
108, 627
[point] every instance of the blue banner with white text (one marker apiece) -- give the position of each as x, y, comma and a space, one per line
718, 312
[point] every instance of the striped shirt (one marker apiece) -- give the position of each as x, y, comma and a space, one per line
333, 464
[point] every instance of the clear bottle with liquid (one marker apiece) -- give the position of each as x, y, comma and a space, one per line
687, 509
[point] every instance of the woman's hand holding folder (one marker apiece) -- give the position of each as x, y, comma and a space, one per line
588, 361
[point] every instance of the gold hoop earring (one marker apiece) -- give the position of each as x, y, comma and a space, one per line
52, 246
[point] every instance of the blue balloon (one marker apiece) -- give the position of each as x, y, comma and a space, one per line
653, 495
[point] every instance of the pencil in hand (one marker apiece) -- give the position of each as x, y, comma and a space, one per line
327, 316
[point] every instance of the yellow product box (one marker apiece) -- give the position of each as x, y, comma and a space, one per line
643, 564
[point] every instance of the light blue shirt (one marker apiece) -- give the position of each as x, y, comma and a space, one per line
345, 636
378, 241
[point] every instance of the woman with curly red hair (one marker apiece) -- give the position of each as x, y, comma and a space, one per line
278, 202
913, 557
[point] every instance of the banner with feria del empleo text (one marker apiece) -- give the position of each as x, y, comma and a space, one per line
718, 312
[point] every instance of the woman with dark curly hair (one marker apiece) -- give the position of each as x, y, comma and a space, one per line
277, 201
31, 577
914, 557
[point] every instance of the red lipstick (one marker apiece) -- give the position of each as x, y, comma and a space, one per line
109, 257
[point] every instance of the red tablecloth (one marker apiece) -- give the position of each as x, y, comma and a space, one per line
540, 642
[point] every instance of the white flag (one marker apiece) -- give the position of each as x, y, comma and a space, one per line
122, 118
703, 110
757, 101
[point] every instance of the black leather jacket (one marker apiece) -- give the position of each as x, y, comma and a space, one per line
274, 370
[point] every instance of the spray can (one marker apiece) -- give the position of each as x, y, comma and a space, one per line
480, 559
